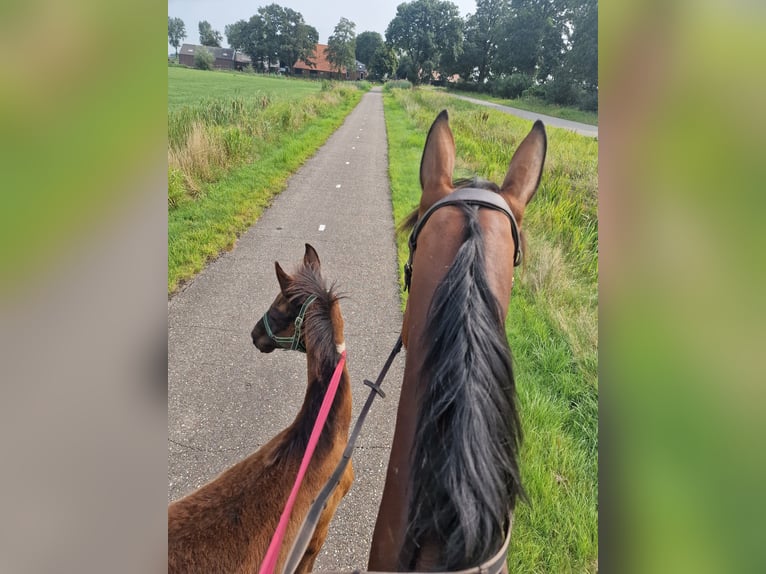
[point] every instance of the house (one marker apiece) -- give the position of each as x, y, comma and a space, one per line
322, 68
225, 58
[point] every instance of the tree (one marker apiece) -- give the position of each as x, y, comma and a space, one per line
341, 46
276, 34
483, 33
236, 35
176, 32
429, 32
299, 43
532, 41
208, 36
366, 45
203, 59
383, 64
582, 59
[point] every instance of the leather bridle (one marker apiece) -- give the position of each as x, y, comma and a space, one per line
464, 196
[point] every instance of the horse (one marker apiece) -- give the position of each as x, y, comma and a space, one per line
453, 478
227, 524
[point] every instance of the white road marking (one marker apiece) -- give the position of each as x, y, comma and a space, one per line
322, 227
337, 186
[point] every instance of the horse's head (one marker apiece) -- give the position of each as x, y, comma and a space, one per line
280, 327
457, 406
438, 241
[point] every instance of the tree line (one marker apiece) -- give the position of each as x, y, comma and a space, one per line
510, 48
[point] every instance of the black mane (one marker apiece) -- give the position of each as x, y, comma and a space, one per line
465, 483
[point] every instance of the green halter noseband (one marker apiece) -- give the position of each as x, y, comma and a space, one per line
292, 343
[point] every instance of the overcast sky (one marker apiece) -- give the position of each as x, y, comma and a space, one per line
368, 15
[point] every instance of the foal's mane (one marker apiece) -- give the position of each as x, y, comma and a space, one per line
318, 332
319, 341
466, 481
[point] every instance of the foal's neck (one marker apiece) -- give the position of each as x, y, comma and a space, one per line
321, 360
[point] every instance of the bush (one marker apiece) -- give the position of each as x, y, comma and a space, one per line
397, 84
536, 91
511, 87
561, 91
249, 69
363, 85
203, 59
588, 101
464, 86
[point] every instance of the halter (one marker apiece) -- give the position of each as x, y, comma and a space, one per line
466, 196
293, 343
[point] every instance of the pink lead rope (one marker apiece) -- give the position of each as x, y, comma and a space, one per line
270, 561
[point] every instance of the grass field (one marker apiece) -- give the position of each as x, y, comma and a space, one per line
532, 104
187, 86
233, 141
552, 323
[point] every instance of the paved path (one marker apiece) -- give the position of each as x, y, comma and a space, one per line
580, 128
225, 399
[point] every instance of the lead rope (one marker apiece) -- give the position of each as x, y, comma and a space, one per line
312, 518
272, 554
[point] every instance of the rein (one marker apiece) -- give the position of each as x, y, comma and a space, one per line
272, 554
293, 343
312, 518
464, 196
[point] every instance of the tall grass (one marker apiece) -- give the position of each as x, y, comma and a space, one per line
397, 85
229, 154
552, 323
216, 134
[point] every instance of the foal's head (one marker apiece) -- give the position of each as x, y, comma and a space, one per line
281, 327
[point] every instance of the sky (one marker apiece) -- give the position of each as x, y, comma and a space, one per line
368, 15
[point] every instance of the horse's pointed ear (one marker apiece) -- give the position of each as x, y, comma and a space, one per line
525, 170
310, 258
437, 163
283, 278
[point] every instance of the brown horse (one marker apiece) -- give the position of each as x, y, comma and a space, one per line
227, 524
453, 476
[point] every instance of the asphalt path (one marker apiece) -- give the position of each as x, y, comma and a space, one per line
225, 399
577, 127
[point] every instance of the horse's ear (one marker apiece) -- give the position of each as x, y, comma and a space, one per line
437, 163
283, 278
525, 170
310, 258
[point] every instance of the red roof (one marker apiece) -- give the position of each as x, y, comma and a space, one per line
319, 57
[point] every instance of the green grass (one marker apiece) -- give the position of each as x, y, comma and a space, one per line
187, 86
230, 153
552, 321
533, 104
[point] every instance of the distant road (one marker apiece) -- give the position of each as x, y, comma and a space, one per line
582, 129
